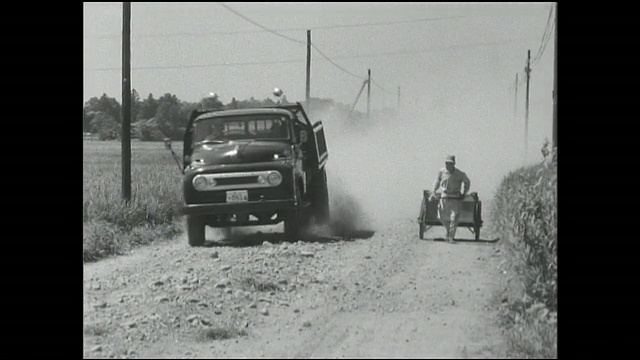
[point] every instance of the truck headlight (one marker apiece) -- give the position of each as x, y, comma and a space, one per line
274, 178
200, 183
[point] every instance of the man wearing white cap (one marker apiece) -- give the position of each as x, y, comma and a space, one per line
448, 186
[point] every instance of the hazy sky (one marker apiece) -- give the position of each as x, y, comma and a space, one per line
455, 64
191, 49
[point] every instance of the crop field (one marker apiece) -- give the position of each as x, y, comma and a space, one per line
110, 225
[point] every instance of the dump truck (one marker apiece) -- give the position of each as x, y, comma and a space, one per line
254, 166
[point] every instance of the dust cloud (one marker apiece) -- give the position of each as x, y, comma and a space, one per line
377, 171
378, 168
371, 180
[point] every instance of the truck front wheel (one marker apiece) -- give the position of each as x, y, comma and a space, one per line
195, 230
321, 200
293, 220
292, 226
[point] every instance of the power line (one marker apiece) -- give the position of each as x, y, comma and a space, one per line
260, 26
546, 32
366, 55
389, 22
291, 39
436, 49
545, 43
165, 67
342, 26
383, 89
545, 36
336, 65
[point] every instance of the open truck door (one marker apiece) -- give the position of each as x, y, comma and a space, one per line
321, 144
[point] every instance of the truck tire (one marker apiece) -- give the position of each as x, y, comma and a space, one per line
195, 230
292, 227
293, 220
321, 200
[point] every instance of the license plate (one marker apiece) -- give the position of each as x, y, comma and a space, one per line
237, 196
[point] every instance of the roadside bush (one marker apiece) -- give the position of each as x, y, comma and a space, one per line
524, 214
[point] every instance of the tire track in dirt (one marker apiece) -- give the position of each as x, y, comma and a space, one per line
380, 260
434, 303
391, 295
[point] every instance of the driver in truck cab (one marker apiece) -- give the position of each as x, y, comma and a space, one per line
217, 131
278, 129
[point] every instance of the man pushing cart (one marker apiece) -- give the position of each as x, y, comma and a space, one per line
450, 201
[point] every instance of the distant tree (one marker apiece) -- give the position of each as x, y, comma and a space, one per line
251, 103
106, 126
186, 108
104, 104
148, 108
86, 120
212, 103
233, 104
135, 105
168, 116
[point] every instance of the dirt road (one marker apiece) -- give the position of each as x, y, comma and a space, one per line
387, 294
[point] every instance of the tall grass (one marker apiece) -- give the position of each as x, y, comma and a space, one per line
524, 213
110, 224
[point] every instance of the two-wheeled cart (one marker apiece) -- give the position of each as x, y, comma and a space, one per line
470, 214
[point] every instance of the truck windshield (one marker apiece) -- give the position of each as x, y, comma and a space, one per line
222, 129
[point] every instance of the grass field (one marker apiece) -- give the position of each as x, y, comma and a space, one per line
109, 225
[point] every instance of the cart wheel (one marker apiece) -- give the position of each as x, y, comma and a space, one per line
422, 229
477, 232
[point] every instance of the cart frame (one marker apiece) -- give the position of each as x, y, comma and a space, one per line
429, 217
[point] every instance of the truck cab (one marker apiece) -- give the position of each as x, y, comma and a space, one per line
257, 166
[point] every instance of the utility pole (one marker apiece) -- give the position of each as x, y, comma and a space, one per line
308, 67
555, 81
526, 116
369, 95
126, 101
358, 97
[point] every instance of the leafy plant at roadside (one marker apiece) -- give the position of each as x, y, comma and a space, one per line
524, 214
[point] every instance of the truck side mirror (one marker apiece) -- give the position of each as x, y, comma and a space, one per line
303, 136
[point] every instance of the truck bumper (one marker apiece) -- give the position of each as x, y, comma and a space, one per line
244, 207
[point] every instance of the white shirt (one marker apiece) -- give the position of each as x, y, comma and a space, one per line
449, 184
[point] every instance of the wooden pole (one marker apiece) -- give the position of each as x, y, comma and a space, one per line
126, 101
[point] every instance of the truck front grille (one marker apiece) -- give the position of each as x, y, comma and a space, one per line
238, 180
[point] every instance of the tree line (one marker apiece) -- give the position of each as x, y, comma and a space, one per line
153, 119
